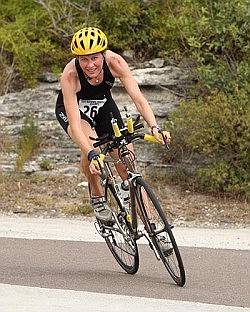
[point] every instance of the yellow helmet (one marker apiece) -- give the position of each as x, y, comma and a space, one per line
88, 40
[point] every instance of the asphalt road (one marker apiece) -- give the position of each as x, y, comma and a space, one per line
214, 276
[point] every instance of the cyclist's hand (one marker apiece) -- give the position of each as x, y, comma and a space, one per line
163, 137
94, 166
95, 162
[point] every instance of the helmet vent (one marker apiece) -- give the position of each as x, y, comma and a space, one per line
98, 40
75, 43
91, 41
82, 45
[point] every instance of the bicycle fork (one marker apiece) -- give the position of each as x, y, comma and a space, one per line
151, 245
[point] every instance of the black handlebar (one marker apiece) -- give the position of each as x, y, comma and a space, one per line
107, 138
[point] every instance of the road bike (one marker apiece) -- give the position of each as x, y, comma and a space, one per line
136, 211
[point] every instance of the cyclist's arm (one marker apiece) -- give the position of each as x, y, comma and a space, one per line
121, 70
70, 86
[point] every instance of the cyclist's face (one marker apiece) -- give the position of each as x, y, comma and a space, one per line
91, 64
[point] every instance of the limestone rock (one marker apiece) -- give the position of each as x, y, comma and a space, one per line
57, 148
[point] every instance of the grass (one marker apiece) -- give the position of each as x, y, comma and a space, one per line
76, 209
45, 164
56, 195
29, 141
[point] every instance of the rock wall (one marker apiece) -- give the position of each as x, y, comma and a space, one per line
163, 87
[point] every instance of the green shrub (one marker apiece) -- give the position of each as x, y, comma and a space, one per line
45, 164
217, 129
28, 41
74, 209
224, 177
147, 28
213, 35
29, 141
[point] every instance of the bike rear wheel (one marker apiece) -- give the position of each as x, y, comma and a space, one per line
158, 227
119, 238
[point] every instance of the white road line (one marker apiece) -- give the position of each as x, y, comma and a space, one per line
34, 299
76, 230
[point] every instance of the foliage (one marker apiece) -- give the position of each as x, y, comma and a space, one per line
217, 128
33, 35
45, 164
216, 34
211, 37
83, 209
144, 27
36, 34
18, 42
29, 141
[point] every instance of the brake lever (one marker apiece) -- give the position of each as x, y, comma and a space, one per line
166, 143
137, 120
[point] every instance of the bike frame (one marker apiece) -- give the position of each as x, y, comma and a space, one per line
142, 200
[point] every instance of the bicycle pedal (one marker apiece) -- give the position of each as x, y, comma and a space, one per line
101, 230
140, 233
104, 234
137, 235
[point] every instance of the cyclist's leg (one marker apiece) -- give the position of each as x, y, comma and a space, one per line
101, 209
121, 169
93, 180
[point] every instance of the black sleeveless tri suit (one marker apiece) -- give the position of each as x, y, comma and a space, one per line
95, 103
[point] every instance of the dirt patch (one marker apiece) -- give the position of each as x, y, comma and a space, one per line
45, 195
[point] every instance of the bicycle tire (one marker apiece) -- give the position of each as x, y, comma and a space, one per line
123, 246
172, 261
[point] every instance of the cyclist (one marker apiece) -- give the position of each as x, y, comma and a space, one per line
84, 103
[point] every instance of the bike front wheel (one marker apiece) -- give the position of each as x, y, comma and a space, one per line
159, 230
118, 236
